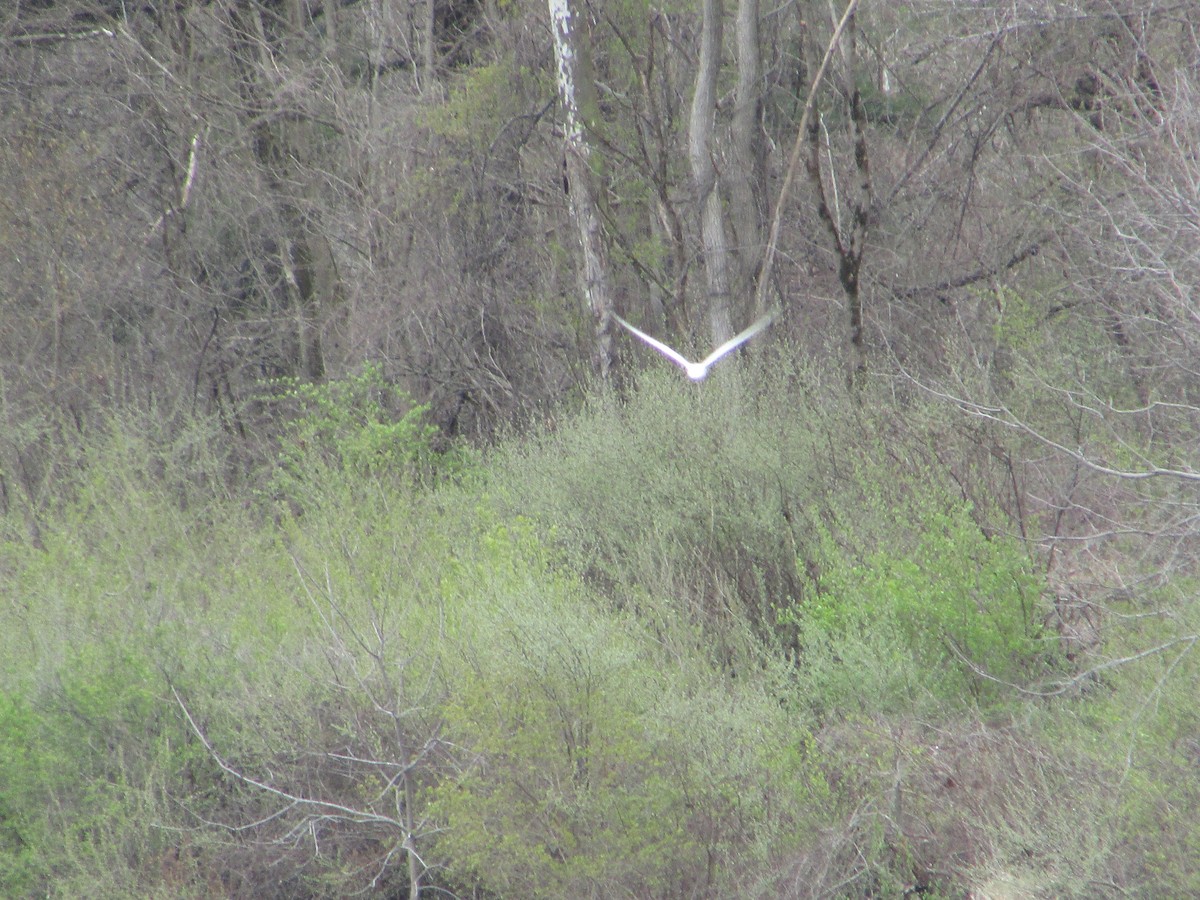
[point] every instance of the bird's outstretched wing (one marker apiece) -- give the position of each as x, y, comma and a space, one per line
734, 342
659, 345
698, 371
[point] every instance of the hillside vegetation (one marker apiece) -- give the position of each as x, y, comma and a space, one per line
347, 549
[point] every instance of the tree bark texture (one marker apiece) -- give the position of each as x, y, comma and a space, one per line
704, 174
594, 276
848, 231
745, 162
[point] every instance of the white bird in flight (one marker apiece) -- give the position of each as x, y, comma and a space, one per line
697, 371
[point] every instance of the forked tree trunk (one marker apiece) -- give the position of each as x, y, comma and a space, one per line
848, 228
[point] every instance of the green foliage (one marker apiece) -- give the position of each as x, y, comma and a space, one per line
22, 837
482, 95
122, 598
575, 760
350, 420
1042, 347
706, 642
78, 792
754, 637
1019, 325
358, 428
715, 501
1140, 729
693, 498
588, 767
943, 600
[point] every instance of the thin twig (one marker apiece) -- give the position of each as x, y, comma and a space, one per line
1062, 687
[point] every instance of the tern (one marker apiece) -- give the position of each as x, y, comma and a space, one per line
698, 371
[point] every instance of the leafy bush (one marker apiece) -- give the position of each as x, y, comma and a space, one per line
936, 617
361, 428
749, 505
587, 766
23, 835
700, 498
126, 595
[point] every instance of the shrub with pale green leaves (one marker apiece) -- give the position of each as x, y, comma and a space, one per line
588, 763
741, 639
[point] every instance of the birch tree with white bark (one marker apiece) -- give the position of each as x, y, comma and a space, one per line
577, 94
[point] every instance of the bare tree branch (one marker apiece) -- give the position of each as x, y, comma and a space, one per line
760, 302
1062, 687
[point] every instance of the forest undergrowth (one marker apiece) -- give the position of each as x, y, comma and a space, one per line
754, 637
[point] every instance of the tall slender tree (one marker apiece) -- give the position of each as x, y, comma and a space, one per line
701, 152
576, 91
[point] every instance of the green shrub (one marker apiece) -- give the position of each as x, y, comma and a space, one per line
362, 429
696, 496
80, 794
937, 616
733, 640
588, 763
128, 594
23, 834
788, 514
1140, 727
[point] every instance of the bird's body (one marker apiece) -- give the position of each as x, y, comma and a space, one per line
698, 371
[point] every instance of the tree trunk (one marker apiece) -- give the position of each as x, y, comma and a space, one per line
704, 174
429, 35
572, 61
848, 231
745, 169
